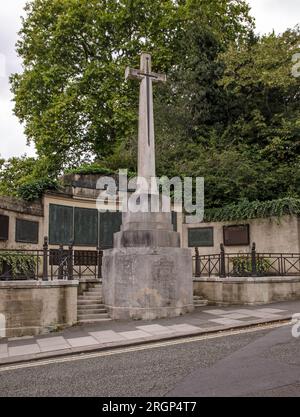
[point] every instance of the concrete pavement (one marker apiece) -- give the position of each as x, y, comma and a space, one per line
124, 333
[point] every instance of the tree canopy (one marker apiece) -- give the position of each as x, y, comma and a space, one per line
229, 111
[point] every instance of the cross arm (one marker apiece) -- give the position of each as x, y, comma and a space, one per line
158, 77
132, 74
137, 74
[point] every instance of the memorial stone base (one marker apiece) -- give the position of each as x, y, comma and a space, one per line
147, 275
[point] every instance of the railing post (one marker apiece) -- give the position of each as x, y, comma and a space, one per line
222, 271
45, 259
99, 262
70, 262
197, 263
60, 262
253, 260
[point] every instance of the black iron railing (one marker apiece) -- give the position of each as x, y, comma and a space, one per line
50, 264
255, 264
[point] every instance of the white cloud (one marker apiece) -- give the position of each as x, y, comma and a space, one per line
277, 15
12, 139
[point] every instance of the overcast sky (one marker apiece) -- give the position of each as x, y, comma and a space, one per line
269, 15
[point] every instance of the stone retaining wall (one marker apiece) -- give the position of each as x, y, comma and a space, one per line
223, 291
34, 307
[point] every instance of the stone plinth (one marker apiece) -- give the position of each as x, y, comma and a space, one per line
147, 282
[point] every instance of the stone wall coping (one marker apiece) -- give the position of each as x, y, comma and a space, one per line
32, 284
248, 280
93, 280
21, 206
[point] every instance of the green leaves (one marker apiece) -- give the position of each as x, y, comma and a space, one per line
14, 172
19, 265
229, 112
72, 97
34, 190
254, 209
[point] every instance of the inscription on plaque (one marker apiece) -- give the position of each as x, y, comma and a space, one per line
27, 231
4, 222
109, 223
61, 224
200, 236
85, 226
236, 235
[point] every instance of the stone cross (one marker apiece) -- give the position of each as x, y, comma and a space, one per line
146, 147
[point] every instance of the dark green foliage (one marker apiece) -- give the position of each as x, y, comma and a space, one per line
14, 172
229, 111
254, 209
87, 169
242, 266
34, 189
19, 265
72, 96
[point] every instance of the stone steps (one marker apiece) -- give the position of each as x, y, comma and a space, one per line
92, 316
90, 321
90, 297
199, 301
90, 308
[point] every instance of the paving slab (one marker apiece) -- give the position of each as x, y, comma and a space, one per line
271, 310
135, 334
226, 321
23, 349
82, 341
156, 329
113, 334
54, 348
237, 316
107, 336
245, 311
216, 312
184, 328
51, 341
261, 315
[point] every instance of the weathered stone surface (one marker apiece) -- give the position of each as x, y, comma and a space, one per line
249, 291
147, 221
21, 206
147, 283
146, 238
33, 307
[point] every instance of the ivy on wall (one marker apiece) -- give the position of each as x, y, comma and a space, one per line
90, 169
17, 264
243, 266
254, 209
34, 190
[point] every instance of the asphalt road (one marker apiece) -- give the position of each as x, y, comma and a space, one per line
261, 363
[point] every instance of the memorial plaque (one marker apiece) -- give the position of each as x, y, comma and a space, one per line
174, 220
4, 223
85, 226
61, 224
27, 231
236, 235
109, 223
201, 236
